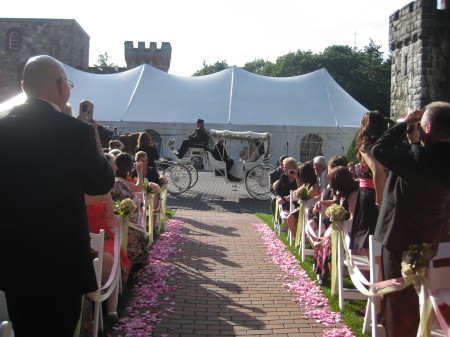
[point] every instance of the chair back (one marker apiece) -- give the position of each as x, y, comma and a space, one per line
97, 242
5, 323
216, 165
142, 211
3, 308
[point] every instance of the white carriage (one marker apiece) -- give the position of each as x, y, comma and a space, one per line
250, 167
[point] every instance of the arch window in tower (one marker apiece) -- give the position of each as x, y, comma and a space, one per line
14, 40
310, 147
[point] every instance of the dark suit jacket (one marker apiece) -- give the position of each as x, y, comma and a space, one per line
415, 199
274, 176
219, 152
200, 136
48, 161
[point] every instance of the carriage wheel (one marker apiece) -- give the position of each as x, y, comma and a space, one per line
179, 178
257, 182
194, 174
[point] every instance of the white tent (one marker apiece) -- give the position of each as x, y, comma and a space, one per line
289, 108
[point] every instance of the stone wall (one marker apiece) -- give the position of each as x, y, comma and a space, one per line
60, 38
419, 42
158, 58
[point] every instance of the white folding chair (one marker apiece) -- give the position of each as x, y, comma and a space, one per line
370, 318
5, 324
142, 211
361, 262
97, 242
302, 248
438, 281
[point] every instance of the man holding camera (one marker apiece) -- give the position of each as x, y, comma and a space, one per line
415, 206
44, 235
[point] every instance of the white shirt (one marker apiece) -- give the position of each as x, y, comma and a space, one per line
323, 180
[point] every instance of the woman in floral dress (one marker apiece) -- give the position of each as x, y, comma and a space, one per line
122, 189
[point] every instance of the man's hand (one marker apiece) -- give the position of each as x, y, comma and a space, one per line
412, 120
413, 117
139, 168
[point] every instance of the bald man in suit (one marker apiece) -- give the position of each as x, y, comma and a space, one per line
49, 161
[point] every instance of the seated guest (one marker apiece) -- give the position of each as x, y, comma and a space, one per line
149, 173
320, 167
116, 144
273, 177
345, 190
146, 144
352, 168
289, 181
198, 139
115, 152
101, 215
220, 153
325, 197
124, 164
122, 189
309, 179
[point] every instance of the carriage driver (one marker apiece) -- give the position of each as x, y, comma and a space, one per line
199, 138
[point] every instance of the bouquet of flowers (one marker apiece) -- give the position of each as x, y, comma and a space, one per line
336, 212
415, 260
146, 187
302, 193
126, 207
170, 144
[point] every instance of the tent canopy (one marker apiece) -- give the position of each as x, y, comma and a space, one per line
231, 96
292, 108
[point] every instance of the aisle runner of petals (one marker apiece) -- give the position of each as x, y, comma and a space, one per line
298, 282
143, 312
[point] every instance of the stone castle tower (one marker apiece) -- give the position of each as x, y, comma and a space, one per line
20, 39
158, 58
419, 41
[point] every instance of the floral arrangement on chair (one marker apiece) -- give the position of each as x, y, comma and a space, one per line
146, 188
415, 261
125, 208
302, 193
336, 212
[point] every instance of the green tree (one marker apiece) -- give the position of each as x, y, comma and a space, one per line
364, 74
212, 68
104, 65
258, 66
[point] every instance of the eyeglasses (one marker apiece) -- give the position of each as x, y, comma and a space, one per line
71, 84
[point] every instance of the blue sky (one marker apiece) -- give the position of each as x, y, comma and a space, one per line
237, 31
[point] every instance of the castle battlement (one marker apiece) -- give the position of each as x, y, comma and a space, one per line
156, 57
419, 42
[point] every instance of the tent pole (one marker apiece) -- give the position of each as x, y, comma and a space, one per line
231, 94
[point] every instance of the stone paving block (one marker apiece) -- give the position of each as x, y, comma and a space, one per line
228, 287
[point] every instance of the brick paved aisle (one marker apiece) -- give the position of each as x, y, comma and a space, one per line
229, 289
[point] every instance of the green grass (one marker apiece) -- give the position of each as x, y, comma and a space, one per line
126, 296
351, 314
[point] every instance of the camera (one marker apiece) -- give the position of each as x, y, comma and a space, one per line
86, 111
291, 172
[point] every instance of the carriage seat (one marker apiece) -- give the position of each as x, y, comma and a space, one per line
211, 164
